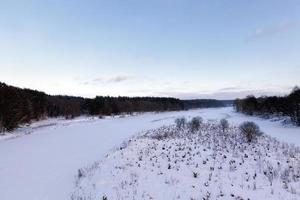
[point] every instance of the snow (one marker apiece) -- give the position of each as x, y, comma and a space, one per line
175, 163
43, 161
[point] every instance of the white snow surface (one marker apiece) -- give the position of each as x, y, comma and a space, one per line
209, 163
43, 161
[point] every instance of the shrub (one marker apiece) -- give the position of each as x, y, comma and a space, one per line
101, 116
195, 174
250, 130
224, 124
195, 123
180, 122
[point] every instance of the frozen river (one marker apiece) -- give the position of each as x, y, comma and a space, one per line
42, 165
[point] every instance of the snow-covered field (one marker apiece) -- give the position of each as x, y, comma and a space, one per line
43, 164
177, 163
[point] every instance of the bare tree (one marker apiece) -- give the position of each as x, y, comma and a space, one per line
180, 122
250, 130
195, 123
224, 124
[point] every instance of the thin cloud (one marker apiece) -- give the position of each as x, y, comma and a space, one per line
99, 79
273, 30
109, 80
118, 79
229, 88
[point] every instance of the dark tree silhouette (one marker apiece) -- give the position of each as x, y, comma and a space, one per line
265, 106
18, 106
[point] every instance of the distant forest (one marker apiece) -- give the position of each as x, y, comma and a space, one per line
19, 106
265, 106
206, 103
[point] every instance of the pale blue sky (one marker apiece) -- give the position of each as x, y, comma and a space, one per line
182, 48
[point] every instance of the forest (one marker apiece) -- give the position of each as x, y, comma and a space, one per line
288, 105
19, 106
206, 103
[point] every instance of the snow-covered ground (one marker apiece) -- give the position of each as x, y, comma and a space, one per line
177, 163
42, 164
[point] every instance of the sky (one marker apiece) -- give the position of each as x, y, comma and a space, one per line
180, 48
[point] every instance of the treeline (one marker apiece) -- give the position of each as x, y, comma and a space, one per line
71, 107
18, 106
281, 106
206, 103
114, 105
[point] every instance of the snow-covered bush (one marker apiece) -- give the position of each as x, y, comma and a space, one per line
161, 133
224, 124
250, 130
195, 123
180, 122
